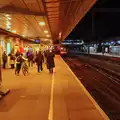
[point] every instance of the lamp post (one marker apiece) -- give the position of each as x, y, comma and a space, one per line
3, 91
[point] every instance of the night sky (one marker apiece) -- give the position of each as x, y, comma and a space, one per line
106, 22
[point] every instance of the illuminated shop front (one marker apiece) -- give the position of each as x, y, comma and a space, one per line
8, 48
2, 43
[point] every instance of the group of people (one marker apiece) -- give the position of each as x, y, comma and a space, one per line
49, 60
39, 58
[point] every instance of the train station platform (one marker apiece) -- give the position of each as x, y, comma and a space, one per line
106, 54
44, 96
95, 53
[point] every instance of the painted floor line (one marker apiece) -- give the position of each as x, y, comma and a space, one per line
88, 94
50, 115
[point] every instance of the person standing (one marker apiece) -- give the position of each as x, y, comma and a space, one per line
18, 64
17, 53
12, 60
19, 60
50, 61
4, 58
39, 60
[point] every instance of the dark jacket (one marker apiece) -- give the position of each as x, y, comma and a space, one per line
17, 54
19, 59
39, 58
4, 57
30, 56
50, 60
12, 56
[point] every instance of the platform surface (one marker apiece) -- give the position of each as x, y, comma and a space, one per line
43, 96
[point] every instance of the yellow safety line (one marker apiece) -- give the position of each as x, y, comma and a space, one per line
50, 115
88, 94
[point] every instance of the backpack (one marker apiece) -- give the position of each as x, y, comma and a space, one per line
19, 59
12, 57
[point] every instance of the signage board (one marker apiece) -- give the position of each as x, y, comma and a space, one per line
37, 41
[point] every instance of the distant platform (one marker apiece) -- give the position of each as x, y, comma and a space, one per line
106, 54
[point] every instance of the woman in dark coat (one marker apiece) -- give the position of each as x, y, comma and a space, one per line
4, 58
39, 60
30, 58
12, 59
50, 61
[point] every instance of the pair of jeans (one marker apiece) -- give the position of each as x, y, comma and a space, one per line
4, 64
18, 68
40, 67
12, 66
51, 70
30, 63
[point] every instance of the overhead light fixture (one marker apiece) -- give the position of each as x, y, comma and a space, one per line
48, 35
9, 18
7, 15
45, 31
45, 39
14, 31
23, 35
8, 23
8, 27
42, 23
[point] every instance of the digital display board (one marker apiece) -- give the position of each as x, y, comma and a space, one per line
37, 41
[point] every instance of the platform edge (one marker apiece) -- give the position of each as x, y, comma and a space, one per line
87, 93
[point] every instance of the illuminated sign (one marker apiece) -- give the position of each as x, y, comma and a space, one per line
8, 48
37, 41
118, 41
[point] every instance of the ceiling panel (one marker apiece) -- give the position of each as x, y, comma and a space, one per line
51, 0
34, 7
52, 9
32, 17
18, 3
53, 13
49, 16
53, 4
28, 24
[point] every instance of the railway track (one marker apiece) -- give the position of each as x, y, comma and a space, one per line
101, 83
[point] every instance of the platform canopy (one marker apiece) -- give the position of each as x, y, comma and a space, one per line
49, 19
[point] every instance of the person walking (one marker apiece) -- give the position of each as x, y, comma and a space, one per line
39, 61
4, 58
30, 57
50, 61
